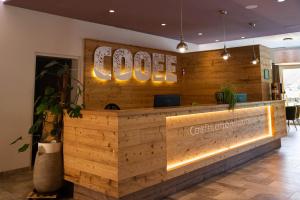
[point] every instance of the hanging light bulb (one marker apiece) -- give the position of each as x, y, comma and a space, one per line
254, 60
182, 46
225, 55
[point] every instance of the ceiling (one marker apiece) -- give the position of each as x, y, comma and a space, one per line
271, 17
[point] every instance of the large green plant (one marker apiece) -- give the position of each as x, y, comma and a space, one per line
54, 103
229, 96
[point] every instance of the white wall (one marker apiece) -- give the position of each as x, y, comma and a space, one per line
272, 41
25, 33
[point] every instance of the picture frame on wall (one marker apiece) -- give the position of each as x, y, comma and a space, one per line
266, 74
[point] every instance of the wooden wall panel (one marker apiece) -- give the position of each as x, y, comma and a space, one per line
207, 72
127, 94
266, 64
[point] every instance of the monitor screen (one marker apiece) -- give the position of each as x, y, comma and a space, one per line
166, 100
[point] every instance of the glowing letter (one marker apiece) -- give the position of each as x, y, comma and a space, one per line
158, 67
126, 73
171, 75
99, 70
139, 74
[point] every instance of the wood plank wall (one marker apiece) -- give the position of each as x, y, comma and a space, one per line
265, 64
205, 74
127, 94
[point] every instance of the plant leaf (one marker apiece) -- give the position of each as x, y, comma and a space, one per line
41, 108
16, 140
51, 64
56, 109
36, 126
23, 148
49, 91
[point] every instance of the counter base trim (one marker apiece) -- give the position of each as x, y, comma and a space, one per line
174, 185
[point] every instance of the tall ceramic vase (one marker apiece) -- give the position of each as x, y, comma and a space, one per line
48, 168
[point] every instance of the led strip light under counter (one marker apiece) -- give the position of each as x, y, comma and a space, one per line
223, 150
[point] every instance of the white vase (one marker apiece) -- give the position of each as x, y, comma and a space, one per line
48, 168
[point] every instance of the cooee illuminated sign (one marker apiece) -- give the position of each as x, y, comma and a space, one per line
153, 68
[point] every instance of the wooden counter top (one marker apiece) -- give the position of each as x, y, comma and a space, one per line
170, 110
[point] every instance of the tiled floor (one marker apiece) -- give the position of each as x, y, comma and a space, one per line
276, 176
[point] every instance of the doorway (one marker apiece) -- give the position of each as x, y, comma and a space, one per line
291, 85
41, 85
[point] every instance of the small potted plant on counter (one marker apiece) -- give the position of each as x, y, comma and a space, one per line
50, 108
227, 95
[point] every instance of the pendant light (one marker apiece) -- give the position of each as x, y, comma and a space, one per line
254, 60
225, 55
182, 46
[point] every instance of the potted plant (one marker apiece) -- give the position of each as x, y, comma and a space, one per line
227, 95
50, 108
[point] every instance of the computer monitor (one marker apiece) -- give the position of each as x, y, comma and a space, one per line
166, 100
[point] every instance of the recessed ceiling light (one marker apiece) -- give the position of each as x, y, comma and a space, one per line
250, 7
200, 34
217, 40
243, 37
111, 11
3, 0
287, 38
280, 1
163, 24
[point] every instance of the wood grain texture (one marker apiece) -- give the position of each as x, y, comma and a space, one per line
119, 153
265, 64
206, 73
127, 94
90, 152
187, 180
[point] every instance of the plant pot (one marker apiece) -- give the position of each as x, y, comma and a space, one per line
48, 168
220, 97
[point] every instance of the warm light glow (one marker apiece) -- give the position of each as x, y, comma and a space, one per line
270, 121
95, 76
182, 47
226, 56
254, 62
181, 50
222, 150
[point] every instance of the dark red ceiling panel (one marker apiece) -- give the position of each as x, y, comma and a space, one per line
202, 16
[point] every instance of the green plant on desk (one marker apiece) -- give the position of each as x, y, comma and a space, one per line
229, 96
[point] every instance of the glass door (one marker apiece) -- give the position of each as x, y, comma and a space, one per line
291, 86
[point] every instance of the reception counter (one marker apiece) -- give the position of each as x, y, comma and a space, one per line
150, 153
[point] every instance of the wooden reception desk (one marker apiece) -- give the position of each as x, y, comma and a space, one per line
151, 153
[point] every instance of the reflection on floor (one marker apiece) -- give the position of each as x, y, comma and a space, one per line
276, 176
